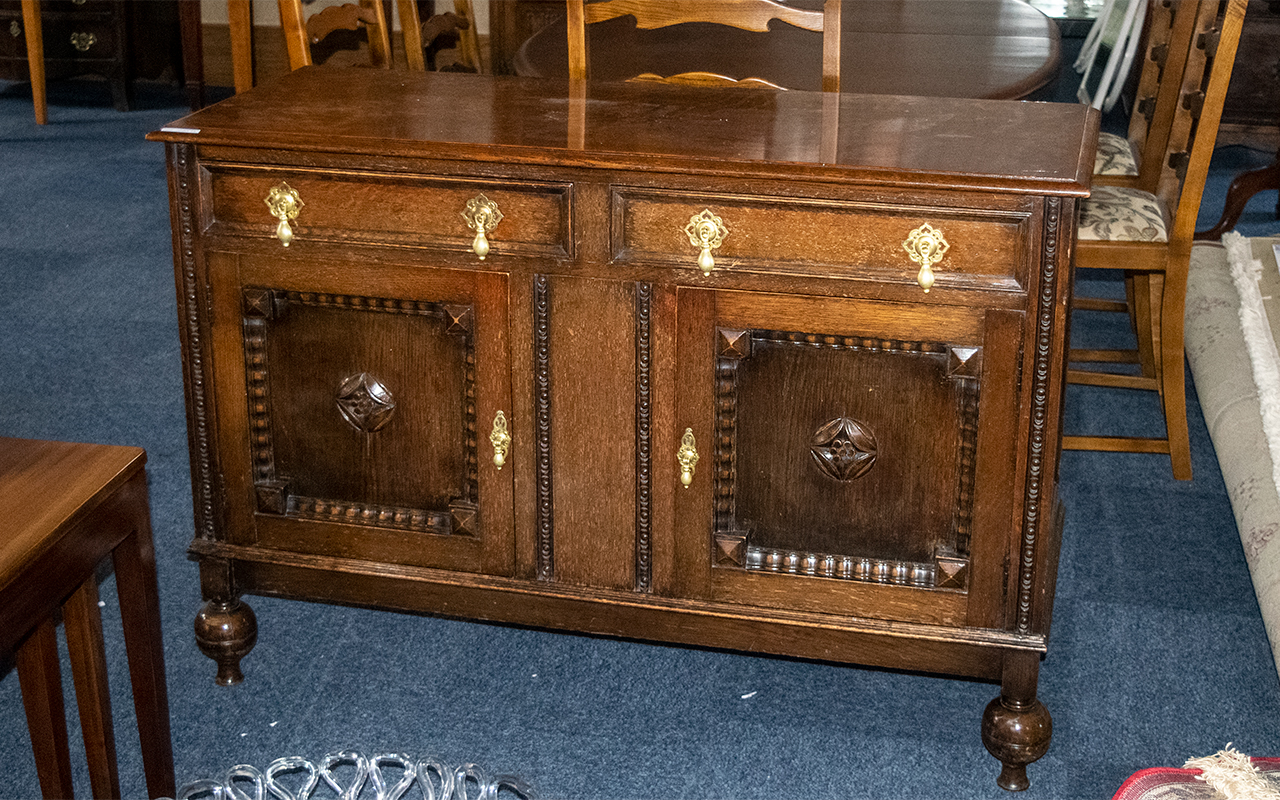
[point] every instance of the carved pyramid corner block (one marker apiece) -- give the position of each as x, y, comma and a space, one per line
953, 572
460, 318
964, 362
730, 548
463, 517
733, 344
273, 496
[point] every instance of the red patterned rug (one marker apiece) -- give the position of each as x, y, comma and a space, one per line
1227, 775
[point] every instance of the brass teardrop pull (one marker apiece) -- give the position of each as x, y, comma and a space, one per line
482, 216
706, 231
687, 455
926, 247
284, 204
500, 438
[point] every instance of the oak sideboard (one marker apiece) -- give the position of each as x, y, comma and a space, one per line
779, 372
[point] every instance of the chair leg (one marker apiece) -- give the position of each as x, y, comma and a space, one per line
41, 682
135, 563
1173, 389
240, 20
93, 697
35, 57
1145, 303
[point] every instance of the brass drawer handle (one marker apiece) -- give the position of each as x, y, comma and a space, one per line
926, 247
83, 41
500, 438
706, 231
687, 455
284, 204
482, 216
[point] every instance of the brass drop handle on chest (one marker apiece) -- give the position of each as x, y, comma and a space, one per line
482, 216
687, 455
926, 247
284, 204
83, 41
500, 438
706, 231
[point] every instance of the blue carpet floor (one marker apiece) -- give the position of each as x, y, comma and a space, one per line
1158, 651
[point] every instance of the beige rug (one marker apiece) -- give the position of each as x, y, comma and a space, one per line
1231, 347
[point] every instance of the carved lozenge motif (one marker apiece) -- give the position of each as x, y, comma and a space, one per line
365, 402
844, 449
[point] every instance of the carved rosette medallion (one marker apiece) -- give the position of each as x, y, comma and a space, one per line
844, 449
365, 403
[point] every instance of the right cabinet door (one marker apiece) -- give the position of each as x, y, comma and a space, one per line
854, 457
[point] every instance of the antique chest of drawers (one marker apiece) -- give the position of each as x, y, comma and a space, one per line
779, 372
115, 39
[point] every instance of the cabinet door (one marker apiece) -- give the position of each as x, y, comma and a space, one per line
358, 402
852, 456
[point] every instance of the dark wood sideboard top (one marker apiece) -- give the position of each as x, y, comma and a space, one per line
992, 145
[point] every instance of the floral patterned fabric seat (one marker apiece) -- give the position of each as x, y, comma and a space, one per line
1114, 156
1121, 214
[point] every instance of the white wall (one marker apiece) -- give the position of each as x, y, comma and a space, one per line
267, 12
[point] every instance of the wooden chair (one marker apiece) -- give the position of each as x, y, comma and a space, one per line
65, 508
302, 33
1148, 236
424, 39
35, 58
1134, 159
751, 15
240, 23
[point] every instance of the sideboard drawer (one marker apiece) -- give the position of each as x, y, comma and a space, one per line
64, 38
396, 210
819, 237
80, 39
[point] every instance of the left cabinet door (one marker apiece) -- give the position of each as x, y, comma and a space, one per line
356, 403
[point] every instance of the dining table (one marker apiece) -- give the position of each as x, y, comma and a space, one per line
994, 49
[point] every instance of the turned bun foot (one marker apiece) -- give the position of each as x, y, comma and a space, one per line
1017, 734
226, 630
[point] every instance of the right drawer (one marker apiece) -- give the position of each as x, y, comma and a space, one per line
839, 238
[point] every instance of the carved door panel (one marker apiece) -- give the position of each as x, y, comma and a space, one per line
369, 398
838, 444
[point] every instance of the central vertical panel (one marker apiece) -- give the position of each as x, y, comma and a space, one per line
592, 398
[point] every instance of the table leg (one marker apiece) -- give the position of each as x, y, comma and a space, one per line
1016, 727
1245, 186
41, 682
192, 52
93, 697
35, 57
135, 563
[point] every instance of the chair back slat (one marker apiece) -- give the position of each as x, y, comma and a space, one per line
422, 38
302, 32
1172, 25
749, 15
1208, 74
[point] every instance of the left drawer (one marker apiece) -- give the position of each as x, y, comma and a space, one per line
532, 219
